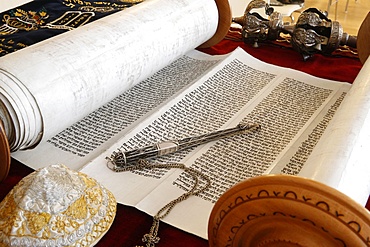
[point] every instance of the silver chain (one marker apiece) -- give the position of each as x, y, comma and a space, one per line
152, 238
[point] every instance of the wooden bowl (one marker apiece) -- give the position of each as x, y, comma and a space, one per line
282, 210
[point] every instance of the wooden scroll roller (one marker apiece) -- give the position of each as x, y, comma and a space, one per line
4, 153
282, 210
224, 22
363, 37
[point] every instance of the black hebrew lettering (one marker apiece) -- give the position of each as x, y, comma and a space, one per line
107, 121
281, 114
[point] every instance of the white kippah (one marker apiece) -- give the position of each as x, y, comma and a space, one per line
56, 206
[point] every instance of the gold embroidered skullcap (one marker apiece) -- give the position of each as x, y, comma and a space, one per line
56, 206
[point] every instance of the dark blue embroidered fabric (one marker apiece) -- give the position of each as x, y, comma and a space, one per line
41, 19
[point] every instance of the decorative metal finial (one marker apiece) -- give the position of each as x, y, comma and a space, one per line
313, 32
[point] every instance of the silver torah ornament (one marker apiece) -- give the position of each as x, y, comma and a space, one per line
313, 32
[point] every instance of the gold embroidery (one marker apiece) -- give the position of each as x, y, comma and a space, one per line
64, 225
100, 6
21, 230
36, 221
21, 45
23, 20
97, 9
95, 196
88, 181
78, 209
8, 214
70, 20
34, 20
80, 216
80, 2
46, 233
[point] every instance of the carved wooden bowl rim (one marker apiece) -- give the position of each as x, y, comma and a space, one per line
284, 210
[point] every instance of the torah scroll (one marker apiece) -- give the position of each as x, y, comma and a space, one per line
50, 85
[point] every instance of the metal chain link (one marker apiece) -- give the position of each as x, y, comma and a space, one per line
152, 238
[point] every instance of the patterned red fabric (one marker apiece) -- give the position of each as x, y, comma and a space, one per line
131, 224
